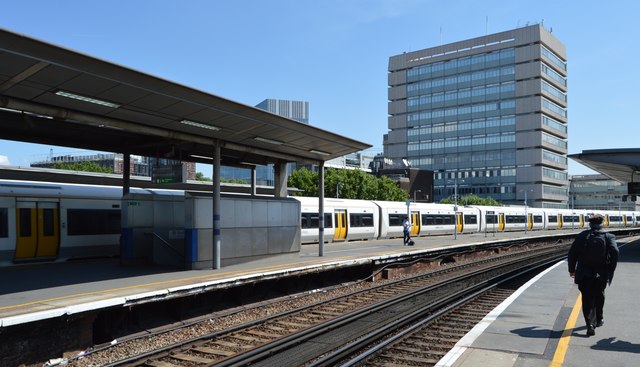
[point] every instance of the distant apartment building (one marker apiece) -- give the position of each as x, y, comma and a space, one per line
488, 115
599, 192
139, 166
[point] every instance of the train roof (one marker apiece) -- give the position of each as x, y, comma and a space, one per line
54, 189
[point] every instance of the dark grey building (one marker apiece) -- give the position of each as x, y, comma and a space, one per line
488, 115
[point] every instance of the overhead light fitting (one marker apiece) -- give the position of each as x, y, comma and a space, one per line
86, 99
200, 125
200, 157
318, 152
265, 140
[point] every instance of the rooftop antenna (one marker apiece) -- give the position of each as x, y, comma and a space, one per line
486, 25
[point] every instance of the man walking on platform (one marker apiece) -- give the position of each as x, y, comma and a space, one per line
596, 254
406, 232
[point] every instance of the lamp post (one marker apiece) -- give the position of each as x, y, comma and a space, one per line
526, 215
337, 189
455, 209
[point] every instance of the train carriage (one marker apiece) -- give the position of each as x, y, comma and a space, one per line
54, 221
344, 220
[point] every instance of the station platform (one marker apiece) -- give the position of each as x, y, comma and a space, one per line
542, 324
41, 291
535, 327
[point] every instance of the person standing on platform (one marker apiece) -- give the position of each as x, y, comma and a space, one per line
592, 261
406, 231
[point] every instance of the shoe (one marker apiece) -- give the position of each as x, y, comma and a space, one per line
600, 323
591, 331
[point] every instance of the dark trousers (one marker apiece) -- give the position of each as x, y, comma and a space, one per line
592, 299
407, 238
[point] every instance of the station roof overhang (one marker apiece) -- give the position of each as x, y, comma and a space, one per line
52, 95
622, 165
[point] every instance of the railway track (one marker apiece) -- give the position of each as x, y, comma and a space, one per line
285, 339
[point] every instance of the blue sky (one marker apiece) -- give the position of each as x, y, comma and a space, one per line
334, 53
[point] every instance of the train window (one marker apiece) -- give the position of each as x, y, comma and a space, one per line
25, 222
47, 222
93, 221
516, 219
310, 220
571, 218
553, 219
4, 222
471, 219
492, 219
615, 218
437, 219
361, 220
328, 223
395, 220
537, 219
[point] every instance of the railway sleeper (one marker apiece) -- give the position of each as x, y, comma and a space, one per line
215, 352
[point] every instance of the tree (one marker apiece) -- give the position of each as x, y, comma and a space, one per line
349, 184
200, 177
472, 200
85, 166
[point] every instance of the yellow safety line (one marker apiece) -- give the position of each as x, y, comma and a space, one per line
563, 344
211, 277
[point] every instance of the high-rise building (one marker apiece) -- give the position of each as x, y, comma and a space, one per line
295, 110
488, 115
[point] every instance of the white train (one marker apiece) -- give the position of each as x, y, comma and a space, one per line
46, 221
347, 219
53, 221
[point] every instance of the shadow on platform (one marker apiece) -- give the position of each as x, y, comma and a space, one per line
28, 277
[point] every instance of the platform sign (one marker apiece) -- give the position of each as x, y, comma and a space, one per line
633, 188
166, 174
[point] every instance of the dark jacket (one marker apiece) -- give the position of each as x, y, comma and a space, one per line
583, 271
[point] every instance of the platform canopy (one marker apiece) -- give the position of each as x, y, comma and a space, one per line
622, 165
52, 95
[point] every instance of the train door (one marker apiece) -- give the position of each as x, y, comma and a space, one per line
606, 221
501, 222
340, 216
560, 221
415, 223
459, 223
529, 221
37, 230
581, 220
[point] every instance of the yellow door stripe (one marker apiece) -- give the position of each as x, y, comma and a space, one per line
563, 344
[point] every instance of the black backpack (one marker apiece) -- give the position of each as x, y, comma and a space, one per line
594, 251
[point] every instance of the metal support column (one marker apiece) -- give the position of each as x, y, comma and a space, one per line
216, 204
280, 178
126, 173
253, 181
321, 208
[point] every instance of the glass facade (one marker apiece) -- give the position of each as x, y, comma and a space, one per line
461, 118
488, 116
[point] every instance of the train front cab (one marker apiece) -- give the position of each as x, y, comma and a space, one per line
37, 230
